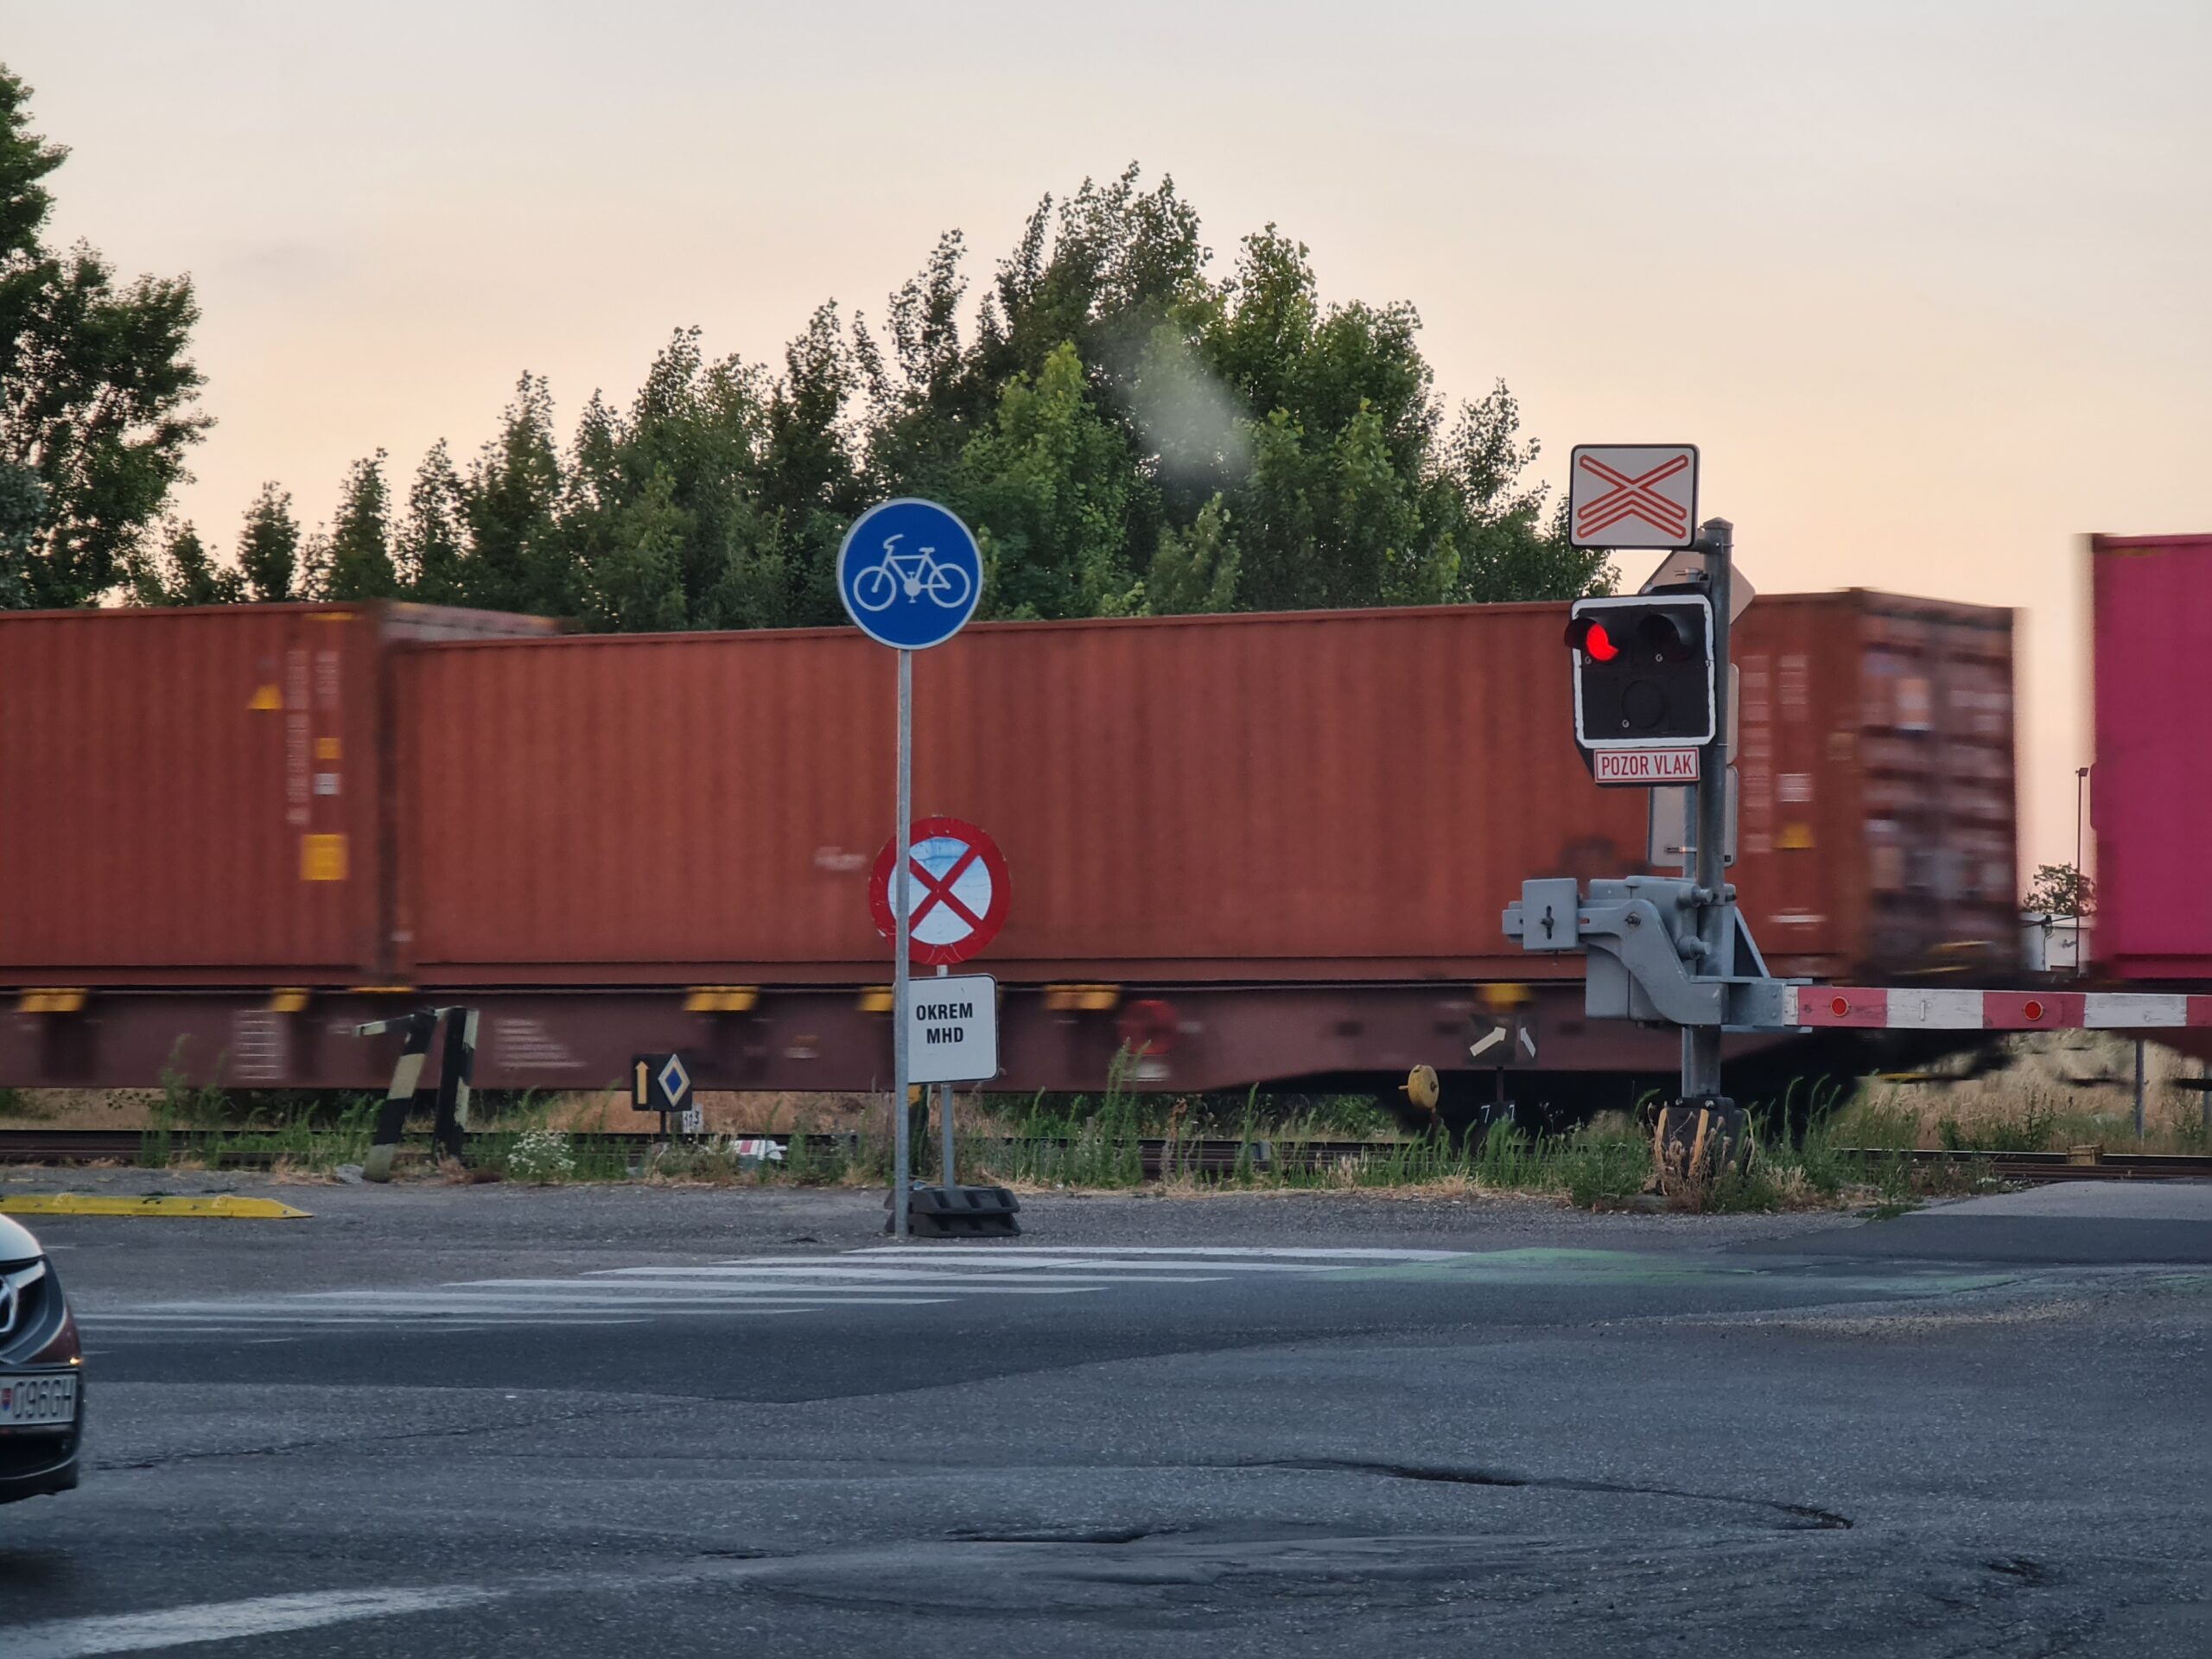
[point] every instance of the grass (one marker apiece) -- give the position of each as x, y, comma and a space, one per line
1605, 1164
1097, 1142
2056, 1090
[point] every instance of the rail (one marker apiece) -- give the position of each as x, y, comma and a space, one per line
233, 1149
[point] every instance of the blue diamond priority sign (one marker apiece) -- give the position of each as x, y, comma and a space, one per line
909, 573
659, 1082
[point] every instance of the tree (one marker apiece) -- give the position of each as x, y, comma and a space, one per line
269, 547
1512, 539
1046, 491
96, 392
431, 542
1313, 429
517, 559
22, 503
1194, 571
182, 573
1125, 432
355, 563
2060, 890
632, 579
810, 487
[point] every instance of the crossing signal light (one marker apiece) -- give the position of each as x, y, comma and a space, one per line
1643, 672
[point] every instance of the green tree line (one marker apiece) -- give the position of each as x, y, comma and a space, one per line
1127, 431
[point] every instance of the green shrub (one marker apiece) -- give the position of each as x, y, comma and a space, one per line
541, 1156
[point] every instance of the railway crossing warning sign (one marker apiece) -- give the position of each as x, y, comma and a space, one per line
1632, 495
956, 892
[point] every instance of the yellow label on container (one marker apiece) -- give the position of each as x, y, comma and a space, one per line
267, 696
1794, 838
323, 858
325, 748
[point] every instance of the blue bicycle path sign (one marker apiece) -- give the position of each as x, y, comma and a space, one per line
909, 573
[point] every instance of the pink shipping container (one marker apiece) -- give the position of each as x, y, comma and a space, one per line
2150, 792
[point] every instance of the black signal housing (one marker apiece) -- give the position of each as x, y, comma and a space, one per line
1644, 675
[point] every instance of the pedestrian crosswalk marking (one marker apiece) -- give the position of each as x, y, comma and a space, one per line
886, 1276
1347, 1252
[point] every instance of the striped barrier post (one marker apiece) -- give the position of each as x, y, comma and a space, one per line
1892, 1009
453, 1080
419, 1028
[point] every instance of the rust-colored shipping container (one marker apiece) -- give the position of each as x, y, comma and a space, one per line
197, 797
1878, 817
1326, 796
2151, 793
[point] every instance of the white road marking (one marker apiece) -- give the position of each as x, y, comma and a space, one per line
904, 1275
1008, 1261
1343, 1252
878, 1276
228, 1621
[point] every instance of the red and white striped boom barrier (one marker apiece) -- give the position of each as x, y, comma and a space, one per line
1865, 1008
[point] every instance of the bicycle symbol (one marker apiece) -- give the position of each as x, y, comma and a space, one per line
916, 573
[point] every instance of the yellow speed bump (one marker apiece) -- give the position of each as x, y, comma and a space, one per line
223, 1205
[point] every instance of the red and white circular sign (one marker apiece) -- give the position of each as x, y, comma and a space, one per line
956, 891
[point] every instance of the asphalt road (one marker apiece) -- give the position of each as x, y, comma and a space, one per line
437, 1420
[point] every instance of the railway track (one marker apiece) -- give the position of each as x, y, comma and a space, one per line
234, 1149
227, 1150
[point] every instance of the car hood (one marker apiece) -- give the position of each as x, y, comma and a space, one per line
16, 1243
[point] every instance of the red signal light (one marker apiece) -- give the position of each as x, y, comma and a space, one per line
1597, 645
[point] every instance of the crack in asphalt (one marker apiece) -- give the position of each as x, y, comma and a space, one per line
457, 1431
1813, 1519
1103, 1536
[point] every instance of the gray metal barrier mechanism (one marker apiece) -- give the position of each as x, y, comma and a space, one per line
1672, 950
460, 1066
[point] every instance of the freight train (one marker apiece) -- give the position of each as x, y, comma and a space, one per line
1252, 850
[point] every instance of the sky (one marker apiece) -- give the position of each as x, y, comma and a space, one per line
1924, 281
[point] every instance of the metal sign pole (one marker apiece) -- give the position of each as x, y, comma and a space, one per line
901, 1129
1701, 1044
944, 1104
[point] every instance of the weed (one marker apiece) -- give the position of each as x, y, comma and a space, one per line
1599, 1171
2030, 1132
541, 1156
815, 1160
307, 1138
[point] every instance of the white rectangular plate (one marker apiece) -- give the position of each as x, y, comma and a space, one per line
44, 1401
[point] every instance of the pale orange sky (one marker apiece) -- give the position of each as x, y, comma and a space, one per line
1925, 282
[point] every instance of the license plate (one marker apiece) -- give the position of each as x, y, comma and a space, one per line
38, 1402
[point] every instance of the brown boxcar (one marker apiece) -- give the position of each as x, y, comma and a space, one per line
197, 797
1329, 796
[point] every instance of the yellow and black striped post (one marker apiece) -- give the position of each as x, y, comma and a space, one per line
453, 1076
399, 1099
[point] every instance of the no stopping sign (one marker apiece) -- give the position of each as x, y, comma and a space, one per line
956, 891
